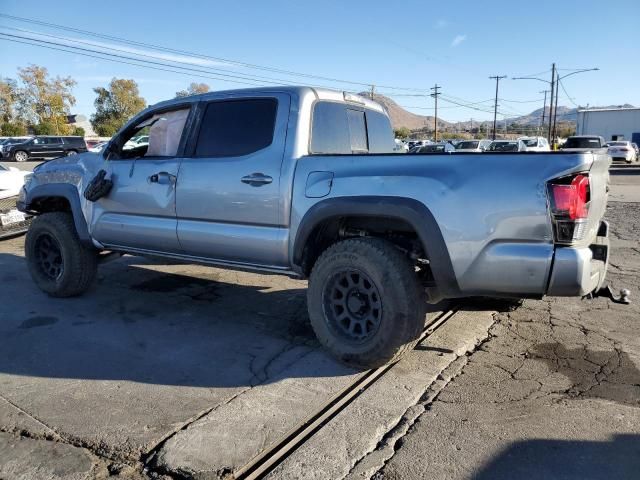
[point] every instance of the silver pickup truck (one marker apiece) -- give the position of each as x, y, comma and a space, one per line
304, 182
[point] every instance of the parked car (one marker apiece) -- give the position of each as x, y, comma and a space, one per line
506, 146
400, 146
281, 180
433, 148
535, 144
621, 151
12, 221
136, 142
473, 146
583, 143
97, 148
43, 147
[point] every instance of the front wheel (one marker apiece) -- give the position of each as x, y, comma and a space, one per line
71, 152
21, 156
58, 262
366, 303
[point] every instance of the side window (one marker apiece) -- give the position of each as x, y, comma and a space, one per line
330, 129
381, 139
338, 129
157, 136
357, 131
232, 128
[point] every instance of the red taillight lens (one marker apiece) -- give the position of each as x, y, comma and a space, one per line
571, 200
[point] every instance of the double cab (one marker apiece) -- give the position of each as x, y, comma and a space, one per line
305, 182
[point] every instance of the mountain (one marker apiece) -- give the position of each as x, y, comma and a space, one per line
403, 118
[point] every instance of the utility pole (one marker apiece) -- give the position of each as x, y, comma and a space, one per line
553, 83
544, 107
471, 128
435, 94
495, 105
555, 110
373, 90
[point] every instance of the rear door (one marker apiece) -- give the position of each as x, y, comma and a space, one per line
55, 147
228, 194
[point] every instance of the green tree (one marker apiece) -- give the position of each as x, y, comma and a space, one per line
13, 129
78, 131
194, 89
42, 99
8, 99
402, 132
116, 105
45, 128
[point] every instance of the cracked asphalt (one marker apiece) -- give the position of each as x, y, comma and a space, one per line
180, 371
554, 392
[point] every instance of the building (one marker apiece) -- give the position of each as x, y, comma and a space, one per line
83, 122
611, 123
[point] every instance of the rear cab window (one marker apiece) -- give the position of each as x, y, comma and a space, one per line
340, 128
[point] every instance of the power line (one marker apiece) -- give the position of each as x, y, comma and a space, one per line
200, 55
565, 92
138, 54
123, 62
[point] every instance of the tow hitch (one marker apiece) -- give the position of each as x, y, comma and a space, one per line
623, 298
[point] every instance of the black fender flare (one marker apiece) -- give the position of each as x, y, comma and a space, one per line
409, 210
68, 192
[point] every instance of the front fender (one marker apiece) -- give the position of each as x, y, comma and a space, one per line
58, 190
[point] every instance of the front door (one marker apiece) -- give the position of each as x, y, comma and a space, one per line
228, 196
140, 210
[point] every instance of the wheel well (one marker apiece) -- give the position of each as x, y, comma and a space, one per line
50, 204
331, 230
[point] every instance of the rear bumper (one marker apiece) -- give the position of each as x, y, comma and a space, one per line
579, 271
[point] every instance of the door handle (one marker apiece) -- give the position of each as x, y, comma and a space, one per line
257, 179
163, 178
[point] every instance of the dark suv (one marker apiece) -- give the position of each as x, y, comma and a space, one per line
44, 147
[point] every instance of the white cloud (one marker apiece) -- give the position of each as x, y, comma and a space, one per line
442, 23
458, 39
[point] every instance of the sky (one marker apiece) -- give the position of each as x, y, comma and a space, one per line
402, 47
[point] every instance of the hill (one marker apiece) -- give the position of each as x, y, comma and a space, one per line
400, 117
403, 118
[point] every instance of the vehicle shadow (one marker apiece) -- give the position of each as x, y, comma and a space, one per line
617, 458
170, 328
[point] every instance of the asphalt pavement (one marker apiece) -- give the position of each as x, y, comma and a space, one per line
180, 371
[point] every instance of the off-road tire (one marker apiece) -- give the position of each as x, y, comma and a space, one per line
79, 263
402, 301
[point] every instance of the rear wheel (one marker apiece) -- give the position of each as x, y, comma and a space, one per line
366, 303
58, 262
71, 152
21, 156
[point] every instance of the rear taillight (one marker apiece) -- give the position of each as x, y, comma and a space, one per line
569, 202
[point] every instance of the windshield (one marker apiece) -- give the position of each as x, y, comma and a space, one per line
582, 143
530, 142
617, 144
467, 145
